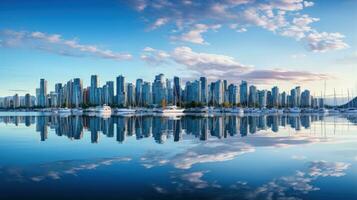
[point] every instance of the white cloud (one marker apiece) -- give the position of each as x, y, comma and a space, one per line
195, 35
322, 42
193, 19
54, 43
217, 66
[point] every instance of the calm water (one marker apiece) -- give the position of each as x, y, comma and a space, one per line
229, 157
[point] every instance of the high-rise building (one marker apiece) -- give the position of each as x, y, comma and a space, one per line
218, 92
243, 90
130, 94
275, 96
138, 92
306, 99
233, 94
283, 99
252, 101
59, 92
158, 90
262, 98
204, 90
169, 92
16, 101
77, 92
193, 91
28, 102
177, 90
42, 93
298, 96
121, 96
293, 98
146, 94
93, 93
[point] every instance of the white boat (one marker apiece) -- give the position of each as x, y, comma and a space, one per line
123, 111
104, 110
170, 109
64, 111
90, 110
322, 110
294, 110
77, 111
237, 110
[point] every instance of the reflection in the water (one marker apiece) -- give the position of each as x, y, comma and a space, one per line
162, 128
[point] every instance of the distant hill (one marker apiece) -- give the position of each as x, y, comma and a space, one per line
352, 103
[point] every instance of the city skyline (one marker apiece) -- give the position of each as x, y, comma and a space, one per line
162, 91
266, 43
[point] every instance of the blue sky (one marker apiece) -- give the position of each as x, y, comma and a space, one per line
279, 42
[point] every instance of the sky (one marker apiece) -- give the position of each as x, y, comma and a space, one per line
267, 43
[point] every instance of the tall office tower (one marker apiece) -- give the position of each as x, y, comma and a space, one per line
146, 94
59, 92
68, 93
37, 96
138, 92
204, 90
243, 93
105, 91
86, 95
269, 99
275, 96
233, 94
121, 96
93, 96
100, 96
28, 102
169, 92
193, 91
306, 99
130, 94
283, 99
252, 101
53, 99
158, 90
321, 103
293, 98
77, 92
218, 93
16, 101
298, 96
262, 98
225, 85
42, 93
177, 91
110, 85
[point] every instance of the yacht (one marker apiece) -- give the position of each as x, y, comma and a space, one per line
64, 111
170, 109
294, 110
77, 111
124, 111
322, 110
105, 110
237, 110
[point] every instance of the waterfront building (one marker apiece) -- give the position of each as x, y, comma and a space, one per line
262, 98
93, 94
204, 90
158, 90
252, 101
233, 94
138, 92
243, 90
42, 93
121, 96
177, 91
275, 96
305, 99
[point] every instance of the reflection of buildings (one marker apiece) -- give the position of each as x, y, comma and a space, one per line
161, 128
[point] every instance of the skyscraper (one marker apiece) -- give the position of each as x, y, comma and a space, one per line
275, 96
244, 93
130, 94
158, 90
93, 93
42, 93
252, 96
77, 92
262, 98
138, 92
233, 94
204, 90
121, 97
177, 90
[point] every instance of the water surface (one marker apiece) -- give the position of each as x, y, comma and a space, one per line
188, 157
